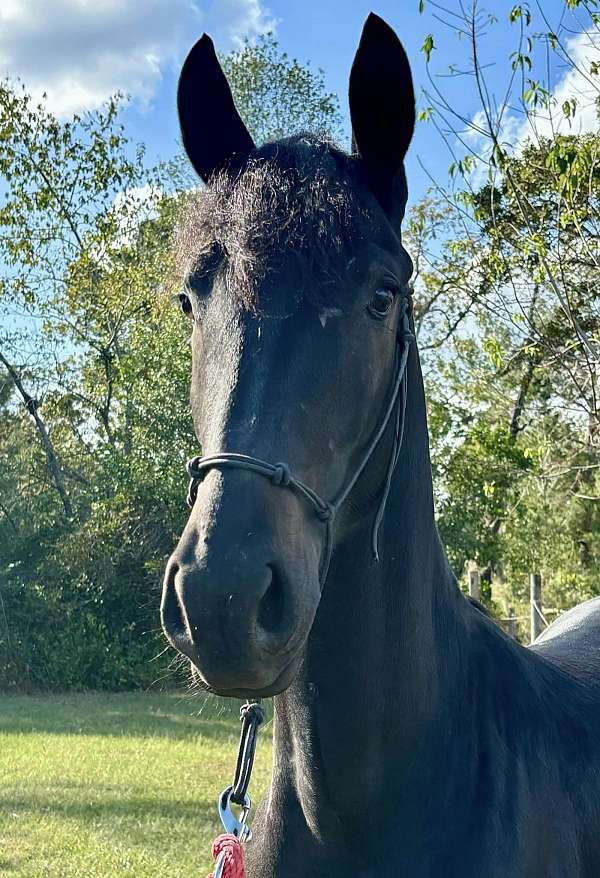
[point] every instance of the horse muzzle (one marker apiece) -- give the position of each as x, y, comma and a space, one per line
241, 591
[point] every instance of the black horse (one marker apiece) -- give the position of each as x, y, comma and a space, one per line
411, 736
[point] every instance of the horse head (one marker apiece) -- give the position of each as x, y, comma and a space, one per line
296, 288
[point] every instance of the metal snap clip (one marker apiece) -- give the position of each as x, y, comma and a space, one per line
235, 825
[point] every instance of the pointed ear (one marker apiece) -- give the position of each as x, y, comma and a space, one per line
382, 110
213, 133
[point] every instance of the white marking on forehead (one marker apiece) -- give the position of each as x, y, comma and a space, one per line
326, 313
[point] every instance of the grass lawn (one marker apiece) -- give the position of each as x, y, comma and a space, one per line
106, 785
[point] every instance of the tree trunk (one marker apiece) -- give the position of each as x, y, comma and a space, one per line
31, 405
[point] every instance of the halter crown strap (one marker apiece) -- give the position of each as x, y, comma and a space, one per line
280, 474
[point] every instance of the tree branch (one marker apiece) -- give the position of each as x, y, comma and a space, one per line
31, 405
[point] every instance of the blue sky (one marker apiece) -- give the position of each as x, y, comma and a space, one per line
80, 51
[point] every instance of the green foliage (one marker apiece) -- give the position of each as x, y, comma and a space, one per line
513, 410
510, 309
518, 12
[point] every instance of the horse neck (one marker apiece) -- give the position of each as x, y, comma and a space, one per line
382, 650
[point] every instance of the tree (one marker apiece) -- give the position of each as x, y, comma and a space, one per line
514, 401
277, 95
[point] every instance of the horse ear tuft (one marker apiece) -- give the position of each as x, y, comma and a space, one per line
212, 131
382, 107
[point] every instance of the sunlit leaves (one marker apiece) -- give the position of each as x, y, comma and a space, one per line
428, 47
463, 166
494, 351
536, 95
569, 108
520, 12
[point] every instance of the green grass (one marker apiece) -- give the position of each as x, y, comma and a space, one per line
106, 785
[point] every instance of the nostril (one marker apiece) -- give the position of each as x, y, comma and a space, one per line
270, 618
172, 612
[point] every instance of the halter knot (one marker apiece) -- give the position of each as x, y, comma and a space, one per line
253, 712
281, 475
405, 330
192, 468
325, 513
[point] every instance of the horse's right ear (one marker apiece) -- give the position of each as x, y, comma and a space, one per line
212, 131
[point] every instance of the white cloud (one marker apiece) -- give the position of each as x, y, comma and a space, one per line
237, 19
81, 51
576, 83
517, 129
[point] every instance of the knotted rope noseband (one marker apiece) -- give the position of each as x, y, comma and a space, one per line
280, 474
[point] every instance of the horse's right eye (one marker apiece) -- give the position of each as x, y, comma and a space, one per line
185, 303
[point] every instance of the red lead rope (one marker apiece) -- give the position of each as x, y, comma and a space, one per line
233, 857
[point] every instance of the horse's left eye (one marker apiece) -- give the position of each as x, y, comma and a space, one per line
381, 303
186, 305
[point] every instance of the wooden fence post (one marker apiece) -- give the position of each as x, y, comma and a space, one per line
511, 626
535, 602
474, 585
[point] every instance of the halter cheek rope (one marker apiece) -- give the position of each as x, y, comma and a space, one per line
227, 850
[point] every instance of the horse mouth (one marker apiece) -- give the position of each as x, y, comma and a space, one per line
279, 684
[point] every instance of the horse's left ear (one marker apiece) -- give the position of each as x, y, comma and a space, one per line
212, 131
382, 110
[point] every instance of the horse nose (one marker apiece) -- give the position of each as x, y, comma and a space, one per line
232, 620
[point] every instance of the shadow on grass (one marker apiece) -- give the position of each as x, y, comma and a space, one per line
120, 715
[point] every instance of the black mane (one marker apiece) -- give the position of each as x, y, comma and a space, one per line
294, 199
